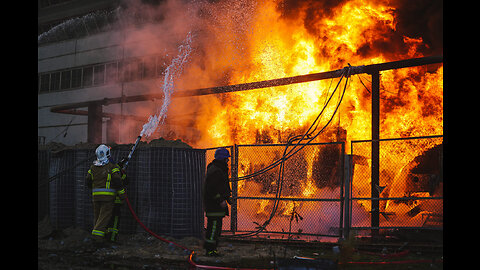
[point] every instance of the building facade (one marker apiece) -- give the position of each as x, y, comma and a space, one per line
88, 72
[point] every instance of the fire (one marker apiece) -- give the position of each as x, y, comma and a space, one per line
287, 48
276, 42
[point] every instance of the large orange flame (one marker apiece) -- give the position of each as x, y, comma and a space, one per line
259, 40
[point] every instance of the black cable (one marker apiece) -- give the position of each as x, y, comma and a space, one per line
285, 156
64, 131
50, 179
306, 134
360, 78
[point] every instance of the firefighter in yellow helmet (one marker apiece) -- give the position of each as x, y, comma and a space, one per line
104, 179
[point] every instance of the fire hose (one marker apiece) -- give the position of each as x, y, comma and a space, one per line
194, 265
192, 252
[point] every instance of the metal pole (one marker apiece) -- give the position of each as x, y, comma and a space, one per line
260, 84
234, 164
375, 173
342, 195
346, 204
94, 129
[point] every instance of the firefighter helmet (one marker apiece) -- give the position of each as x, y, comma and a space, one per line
103, 153
222, 153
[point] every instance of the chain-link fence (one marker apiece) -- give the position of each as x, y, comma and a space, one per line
164, 189
309, 194
409, 189
323, 191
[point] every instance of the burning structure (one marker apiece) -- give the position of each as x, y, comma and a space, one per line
115, 74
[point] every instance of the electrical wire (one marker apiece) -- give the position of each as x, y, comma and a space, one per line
64, 131
299, 138
286, 155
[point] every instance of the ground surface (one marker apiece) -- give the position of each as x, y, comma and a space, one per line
73, 248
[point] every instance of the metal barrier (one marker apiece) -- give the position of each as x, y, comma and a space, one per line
327, 193
409, 194
310, 204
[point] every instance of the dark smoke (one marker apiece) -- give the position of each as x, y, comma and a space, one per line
315, 10
422, 18
415, 19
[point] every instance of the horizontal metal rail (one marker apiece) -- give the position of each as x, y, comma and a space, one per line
399, 139
291, 233
398, 198
290, 199
284, 144
396, 227
258, 85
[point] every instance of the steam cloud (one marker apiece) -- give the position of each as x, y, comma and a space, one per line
172, 72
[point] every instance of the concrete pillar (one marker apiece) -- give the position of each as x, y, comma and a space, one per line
113, 129
94, 132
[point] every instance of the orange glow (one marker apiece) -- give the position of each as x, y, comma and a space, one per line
268, 43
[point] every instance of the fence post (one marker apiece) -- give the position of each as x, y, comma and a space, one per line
341, 231
375, 173
347, 195
234, 170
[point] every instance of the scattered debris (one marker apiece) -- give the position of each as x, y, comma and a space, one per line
73, 248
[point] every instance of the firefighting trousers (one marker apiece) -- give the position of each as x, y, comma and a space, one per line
102, 213
214, 230
113, 225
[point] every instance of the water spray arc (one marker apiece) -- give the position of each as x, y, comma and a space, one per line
172, 72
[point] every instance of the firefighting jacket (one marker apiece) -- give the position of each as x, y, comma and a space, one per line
105, 182
216, 189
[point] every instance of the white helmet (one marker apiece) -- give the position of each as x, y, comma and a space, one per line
103, 154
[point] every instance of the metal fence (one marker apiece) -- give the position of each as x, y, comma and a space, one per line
327, 192
410, 188
164, 189
310, 203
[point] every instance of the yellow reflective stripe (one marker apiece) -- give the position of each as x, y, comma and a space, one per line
97, 232
121, 191
109, 177
124, 176
115, 170
103, 193
214, 228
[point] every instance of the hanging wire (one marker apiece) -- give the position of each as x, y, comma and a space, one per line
286, 155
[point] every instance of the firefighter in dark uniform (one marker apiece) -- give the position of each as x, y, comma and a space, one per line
217, 193
105, 180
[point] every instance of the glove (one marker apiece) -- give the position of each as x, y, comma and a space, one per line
121, 195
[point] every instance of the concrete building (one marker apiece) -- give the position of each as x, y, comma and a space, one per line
87, 75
